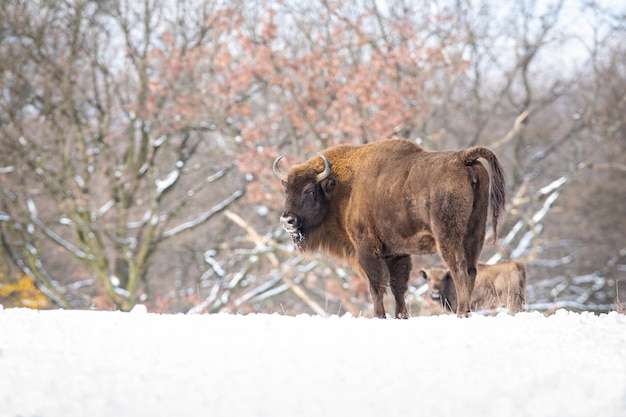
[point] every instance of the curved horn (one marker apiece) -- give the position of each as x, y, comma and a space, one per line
326, 173
281, 175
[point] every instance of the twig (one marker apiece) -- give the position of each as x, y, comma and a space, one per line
517, 126
608, 165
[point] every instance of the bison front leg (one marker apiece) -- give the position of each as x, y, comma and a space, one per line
399, 271
377, 274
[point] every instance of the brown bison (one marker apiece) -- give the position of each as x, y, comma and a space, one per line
377, 204
499, 285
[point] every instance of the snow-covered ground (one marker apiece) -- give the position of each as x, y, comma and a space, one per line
86, 363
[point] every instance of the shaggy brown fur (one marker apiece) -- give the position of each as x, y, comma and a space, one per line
499, 285
377, 204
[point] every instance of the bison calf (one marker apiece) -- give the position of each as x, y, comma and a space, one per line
499, 285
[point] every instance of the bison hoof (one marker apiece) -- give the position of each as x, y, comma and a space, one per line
402, 314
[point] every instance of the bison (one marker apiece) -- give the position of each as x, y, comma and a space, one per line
499, 285
376, 204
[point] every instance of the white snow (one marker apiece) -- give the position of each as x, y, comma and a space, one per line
166, 183
105, 207
86, 363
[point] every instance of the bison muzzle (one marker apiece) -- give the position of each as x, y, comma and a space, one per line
377, 204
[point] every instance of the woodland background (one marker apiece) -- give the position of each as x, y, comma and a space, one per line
137, 137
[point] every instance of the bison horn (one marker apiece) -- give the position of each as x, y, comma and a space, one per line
326, 173
281, 175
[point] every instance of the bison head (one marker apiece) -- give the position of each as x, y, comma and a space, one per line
306, 198
438, 281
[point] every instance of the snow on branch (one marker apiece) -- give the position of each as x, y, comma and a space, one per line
264, 291
554, 185
192, 192
139, 223
204, 216
551, 192
51, 234
45, 285
217, 268
165, 184
171, 178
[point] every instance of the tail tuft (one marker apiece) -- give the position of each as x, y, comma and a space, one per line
497, 186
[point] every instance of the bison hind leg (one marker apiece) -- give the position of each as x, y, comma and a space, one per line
463, 281
463, 285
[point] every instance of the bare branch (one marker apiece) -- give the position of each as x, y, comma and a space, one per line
51, 234
608, 165
517, 126
204, 216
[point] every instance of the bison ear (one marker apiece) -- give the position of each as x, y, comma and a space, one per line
328, 185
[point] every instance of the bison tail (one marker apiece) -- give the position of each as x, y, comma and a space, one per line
497, 186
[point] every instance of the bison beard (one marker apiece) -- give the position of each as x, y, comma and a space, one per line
298, 240
377, 204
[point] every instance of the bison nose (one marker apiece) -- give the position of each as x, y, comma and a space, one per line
434, 294
290, 223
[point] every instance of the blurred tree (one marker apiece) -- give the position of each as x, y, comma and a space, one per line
105, 156
125, 127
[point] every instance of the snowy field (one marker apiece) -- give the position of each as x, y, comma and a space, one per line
87, 364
